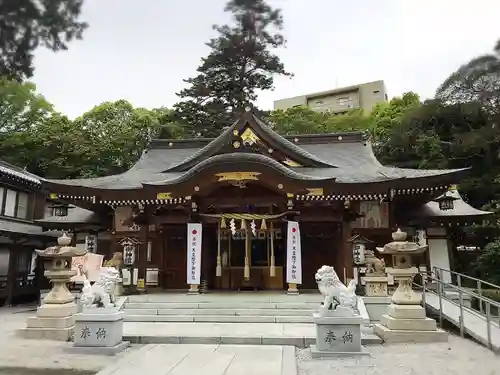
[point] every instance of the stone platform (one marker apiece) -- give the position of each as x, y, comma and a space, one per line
206, 359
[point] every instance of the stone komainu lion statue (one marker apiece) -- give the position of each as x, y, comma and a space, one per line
102, 293
374, 266
334, 291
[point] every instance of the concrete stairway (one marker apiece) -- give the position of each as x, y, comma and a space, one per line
233, 310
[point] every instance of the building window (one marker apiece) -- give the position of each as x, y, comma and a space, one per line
319, 102
14, 203
376, 91
344, 100
22, 205
10, 203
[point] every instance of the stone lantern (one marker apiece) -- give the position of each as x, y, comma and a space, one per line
405, 320
55, 317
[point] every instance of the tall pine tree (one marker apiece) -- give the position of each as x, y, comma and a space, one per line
240, 64
26, 25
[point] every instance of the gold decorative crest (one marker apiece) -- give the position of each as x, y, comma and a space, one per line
249, 137
163, 196
237, 176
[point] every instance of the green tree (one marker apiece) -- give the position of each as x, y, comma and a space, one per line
21, 111
476, 81
115, 135
27, 24
303, 120
20, 106
488, 263
240, 64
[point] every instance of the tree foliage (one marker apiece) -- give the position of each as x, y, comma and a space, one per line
476, 81
488, 263
240, 64
27, 24
106, 140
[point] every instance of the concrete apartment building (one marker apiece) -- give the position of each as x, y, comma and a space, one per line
343, 99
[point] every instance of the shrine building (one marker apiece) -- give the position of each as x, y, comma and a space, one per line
264, 211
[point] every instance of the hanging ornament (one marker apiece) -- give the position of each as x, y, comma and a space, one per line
222, 222
243, 224
254, 228
263, 225
232, 226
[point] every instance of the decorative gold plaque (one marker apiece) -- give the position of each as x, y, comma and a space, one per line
163, 196
52, 196
315, 191
238, 176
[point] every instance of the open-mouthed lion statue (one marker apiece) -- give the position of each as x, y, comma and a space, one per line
334, 291
102, 293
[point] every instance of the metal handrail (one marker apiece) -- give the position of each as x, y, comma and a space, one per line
436, 276
460, 276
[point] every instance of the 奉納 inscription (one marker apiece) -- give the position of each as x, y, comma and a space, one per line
85, 333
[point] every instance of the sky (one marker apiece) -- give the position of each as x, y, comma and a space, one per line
142, 50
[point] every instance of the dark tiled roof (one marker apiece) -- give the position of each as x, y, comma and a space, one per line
25, 229
17, 173
296, 173
345, 157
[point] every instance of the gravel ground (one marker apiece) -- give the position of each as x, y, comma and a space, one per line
457, 357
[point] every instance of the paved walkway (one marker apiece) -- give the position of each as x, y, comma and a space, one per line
206, 360
474, 324
19, 353
457, 357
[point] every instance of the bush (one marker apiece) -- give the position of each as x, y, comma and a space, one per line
488, 263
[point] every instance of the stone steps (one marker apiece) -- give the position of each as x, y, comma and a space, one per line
223, 305
219, 318
367, 338
229, 312
223, 311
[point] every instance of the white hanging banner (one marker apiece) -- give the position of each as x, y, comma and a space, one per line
293, 254
194, 253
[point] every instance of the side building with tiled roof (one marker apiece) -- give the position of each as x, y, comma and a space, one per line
244, 187
21, 203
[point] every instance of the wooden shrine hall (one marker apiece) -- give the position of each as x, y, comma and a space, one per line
250, 209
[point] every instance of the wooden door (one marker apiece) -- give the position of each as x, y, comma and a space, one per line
175, 257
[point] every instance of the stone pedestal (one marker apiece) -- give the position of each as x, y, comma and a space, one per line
376, 299
406, 320
194, 289
376, 285
376, 306
99, 331
52, 322
292, 290
338, 334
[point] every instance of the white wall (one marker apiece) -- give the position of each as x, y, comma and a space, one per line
439, 256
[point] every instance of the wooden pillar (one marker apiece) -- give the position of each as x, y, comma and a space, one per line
347, 261
143, 252
11, 274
